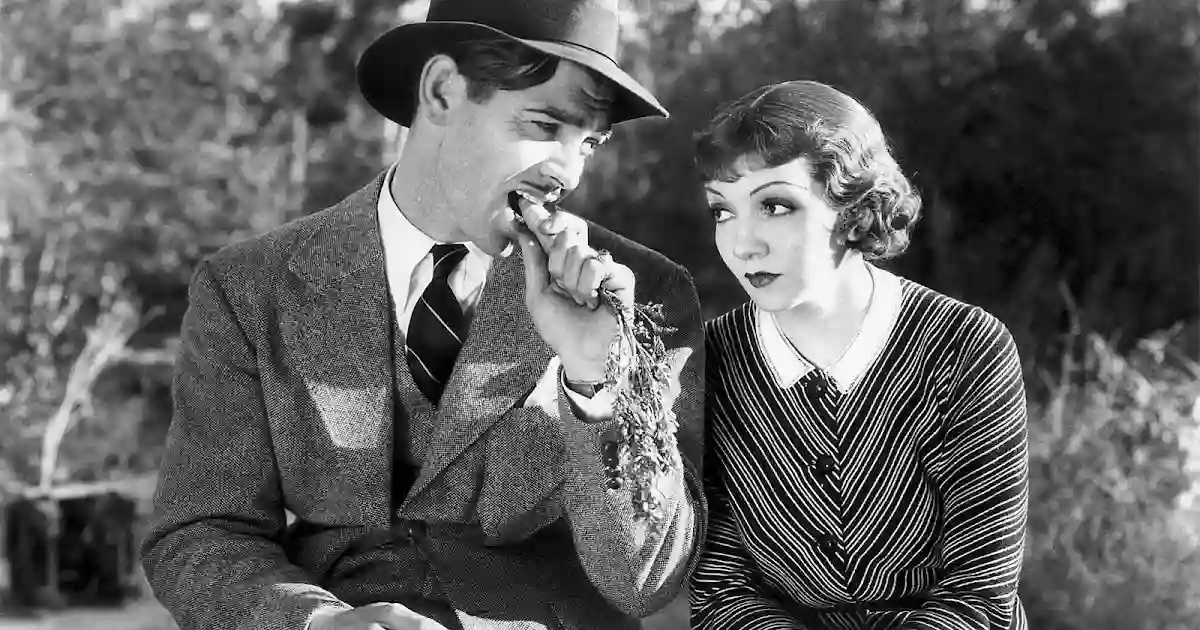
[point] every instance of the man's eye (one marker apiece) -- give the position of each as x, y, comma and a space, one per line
550, 128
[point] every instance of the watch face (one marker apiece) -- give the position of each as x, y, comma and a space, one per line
587, 389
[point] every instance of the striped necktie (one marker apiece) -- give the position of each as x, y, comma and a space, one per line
437, 327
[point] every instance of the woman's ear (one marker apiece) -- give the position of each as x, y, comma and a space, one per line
853, 225
440, 89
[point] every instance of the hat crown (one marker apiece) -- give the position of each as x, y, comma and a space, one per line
589, 23
584, 32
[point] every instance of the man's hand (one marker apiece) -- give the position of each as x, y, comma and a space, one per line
563, 275
382, 616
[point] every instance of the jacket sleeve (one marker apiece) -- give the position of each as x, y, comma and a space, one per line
638, 571
212, 553
983, 478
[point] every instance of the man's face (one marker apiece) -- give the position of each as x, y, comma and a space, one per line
535, 141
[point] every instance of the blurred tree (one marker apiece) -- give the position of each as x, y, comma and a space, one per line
163, 124
150, 134
348, 140
194, 123
64, 311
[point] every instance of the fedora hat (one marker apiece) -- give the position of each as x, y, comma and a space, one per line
582, 31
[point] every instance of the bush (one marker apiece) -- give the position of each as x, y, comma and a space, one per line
1113, 526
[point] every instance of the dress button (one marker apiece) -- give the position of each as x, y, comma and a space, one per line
415, 529
825, 464
816, 385
828, 543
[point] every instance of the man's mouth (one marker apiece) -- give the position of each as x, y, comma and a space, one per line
548, 199
760, 279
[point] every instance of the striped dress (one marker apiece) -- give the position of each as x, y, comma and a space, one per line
888, 495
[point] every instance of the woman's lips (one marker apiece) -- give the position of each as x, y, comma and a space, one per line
761, 279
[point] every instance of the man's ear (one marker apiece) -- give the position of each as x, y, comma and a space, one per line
440, 89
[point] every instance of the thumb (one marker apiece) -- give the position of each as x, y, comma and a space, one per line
537, 277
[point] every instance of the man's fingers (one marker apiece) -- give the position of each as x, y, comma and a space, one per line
591, 275
536, 275
556, 223
541, 223
561, 239
557, 252
572, 272
545, 224
619, 279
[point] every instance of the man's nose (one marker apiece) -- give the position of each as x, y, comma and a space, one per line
564, 169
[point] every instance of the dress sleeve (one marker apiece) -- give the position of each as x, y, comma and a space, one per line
983, 477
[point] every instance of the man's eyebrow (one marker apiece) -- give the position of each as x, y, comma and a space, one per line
573, 118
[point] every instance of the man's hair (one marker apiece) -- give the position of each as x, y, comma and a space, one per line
491, 65
844, 144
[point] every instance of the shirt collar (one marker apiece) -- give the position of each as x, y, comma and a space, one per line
788, 366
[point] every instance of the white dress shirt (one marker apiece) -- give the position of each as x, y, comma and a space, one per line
409, 265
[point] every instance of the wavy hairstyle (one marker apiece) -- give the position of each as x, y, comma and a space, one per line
839, 137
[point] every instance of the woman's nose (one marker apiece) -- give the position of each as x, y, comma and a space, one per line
748, 244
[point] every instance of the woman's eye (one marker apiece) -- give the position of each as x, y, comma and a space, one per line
720, 213
777, 208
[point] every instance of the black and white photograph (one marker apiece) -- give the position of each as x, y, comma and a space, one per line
599, 315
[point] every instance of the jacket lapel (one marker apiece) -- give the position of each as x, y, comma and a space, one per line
500, 363
336, 333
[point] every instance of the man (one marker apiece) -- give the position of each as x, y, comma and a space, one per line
418, 376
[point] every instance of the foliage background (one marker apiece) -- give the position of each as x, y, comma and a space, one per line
1056, 144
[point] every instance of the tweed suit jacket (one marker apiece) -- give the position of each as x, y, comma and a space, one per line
283, 399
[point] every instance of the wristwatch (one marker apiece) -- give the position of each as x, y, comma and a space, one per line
587, 390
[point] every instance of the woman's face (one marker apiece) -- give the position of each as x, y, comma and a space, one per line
776, 233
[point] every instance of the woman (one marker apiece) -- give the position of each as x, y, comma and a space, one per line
868, 435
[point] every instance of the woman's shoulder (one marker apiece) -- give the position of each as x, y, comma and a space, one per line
928, 310
730, 338
731, 326
956, 333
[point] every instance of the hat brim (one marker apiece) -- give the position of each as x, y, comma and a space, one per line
389, 69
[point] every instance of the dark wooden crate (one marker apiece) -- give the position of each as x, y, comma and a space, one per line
74, 549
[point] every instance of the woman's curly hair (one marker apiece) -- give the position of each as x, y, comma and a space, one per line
843, 142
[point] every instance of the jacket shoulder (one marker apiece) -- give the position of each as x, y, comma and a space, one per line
269, 252
649, 265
